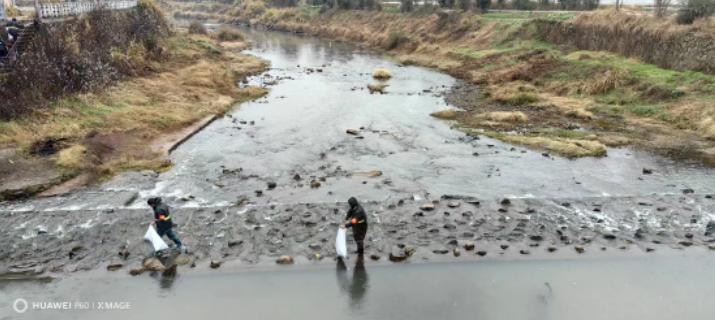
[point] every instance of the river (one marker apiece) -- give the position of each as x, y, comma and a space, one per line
300, 128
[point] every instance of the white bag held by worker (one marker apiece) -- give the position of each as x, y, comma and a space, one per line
157, 241
340, 247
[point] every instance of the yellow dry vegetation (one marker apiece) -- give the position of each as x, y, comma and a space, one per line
502, 116
382, 74
148, 105
573, 107
72, 157
449, 114
429, 60
565, 147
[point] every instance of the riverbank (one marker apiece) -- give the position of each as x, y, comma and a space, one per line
516, 87
97, 134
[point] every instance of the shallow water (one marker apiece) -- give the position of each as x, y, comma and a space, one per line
651, 288
302, 128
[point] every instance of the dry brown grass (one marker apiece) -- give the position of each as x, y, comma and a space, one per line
73, 157
577, 108
605, 81
12, 11
503, 116
449, 114
226, 33
195, 85
430, 60
382, 74
565, 147
515, 93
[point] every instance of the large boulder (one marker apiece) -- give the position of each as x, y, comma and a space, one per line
153, 264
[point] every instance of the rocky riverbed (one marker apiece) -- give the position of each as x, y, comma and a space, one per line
449, 227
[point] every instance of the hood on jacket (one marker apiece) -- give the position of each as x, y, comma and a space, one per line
154, 201
353, 202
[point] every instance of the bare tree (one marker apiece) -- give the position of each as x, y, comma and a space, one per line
618, 5
661, 7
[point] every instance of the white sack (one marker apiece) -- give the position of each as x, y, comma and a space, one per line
340, 246
159, 243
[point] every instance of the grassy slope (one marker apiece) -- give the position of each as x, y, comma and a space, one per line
608, 95
198, 79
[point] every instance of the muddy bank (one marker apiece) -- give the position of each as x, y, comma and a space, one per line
96, 135
404, 230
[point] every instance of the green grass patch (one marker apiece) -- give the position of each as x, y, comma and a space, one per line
508, 15
560, 16
647, 111
563, 133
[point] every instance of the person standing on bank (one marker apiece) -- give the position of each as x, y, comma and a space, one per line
357, 219
163, 221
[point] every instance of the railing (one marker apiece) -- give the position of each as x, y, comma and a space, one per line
68, 9
3, 12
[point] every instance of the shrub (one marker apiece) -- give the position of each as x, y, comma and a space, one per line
82, 54
323, 9
691, 10
197, 28
255, 8
591, 4
446, 4
524, 5
382, 74
501, 3
394, 39
407, 5
484, 5
464, 5
229, 34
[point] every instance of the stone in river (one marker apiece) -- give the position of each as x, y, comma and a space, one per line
215, 264
453, 204
469, 246
456, 252
271, 185
284, 260
427, 207
580, 249
397, 257
353, 131
374, 257
482, 253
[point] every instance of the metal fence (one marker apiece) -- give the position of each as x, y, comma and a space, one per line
67, 9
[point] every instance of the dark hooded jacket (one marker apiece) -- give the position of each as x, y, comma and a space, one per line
357, 219
161, 214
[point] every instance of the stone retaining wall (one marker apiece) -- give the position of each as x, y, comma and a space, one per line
676, 51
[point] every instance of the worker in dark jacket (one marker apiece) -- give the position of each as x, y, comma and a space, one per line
357, 219
13, 29
163, 221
